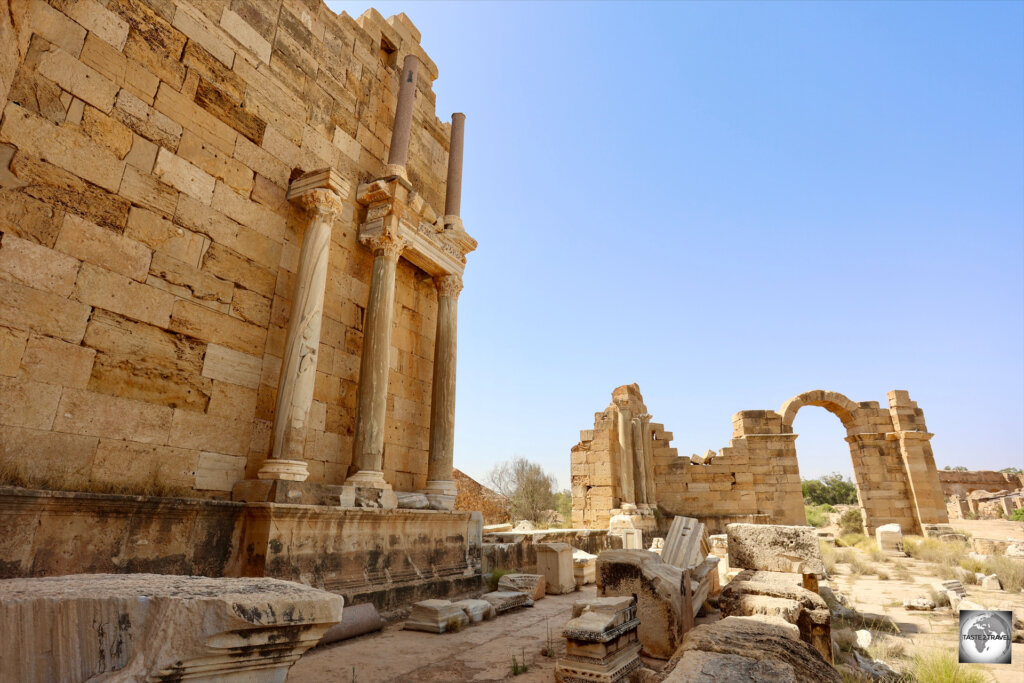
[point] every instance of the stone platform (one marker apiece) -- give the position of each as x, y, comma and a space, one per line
391, 558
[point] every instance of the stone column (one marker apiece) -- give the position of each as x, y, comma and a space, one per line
648, 454
316, 192
625, 429
441, 489
639, 466
453, 187
398, 155
367, 486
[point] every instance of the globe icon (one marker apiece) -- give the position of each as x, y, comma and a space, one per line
984, 637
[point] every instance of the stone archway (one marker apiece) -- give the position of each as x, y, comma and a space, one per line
867, 451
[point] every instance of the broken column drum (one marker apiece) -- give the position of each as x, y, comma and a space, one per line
398, 156
320, 193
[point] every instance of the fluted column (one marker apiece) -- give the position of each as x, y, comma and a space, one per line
625, 429
298, 366
648, 455
441, 489
639, 466
372, 395
398, 155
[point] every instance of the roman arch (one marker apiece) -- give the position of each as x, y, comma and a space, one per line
756, 477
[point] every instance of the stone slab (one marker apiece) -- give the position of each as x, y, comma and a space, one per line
555, 562
155, 627
534, 585
477, 610
436, 616
356, 620
504, 601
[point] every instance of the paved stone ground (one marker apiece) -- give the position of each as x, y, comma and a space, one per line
481, 652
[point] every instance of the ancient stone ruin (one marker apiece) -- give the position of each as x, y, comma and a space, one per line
626, 460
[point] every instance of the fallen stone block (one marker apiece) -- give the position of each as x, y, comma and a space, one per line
991, 583
952, 585
410, 500
534, 585
683, 543
665, 611
554, 561
356, 620
504, 601
436, 616
497, 528
769, 643
775, 548
584, 567
477, 610
152, 627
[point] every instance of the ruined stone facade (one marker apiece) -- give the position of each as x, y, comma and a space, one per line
756, 477
153, 234
955, 483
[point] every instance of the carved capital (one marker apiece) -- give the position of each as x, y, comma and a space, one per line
387, 245
322, 203
448, 285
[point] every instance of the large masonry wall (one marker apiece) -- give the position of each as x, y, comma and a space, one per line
756, 477
147, 251
956, 483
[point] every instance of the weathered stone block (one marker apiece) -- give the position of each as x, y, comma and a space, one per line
477, 610
532, 585
555, 562
88, 242
151, 627
889, 538
504, 600
436, 616
57, 362
36, 266
772, 547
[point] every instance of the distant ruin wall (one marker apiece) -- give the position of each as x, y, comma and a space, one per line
148, 252
961, 483
756, 477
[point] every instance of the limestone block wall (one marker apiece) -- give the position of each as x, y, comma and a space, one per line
961, 483
147, 251
757, 477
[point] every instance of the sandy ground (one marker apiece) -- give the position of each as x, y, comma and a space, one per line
938, 629
481, 652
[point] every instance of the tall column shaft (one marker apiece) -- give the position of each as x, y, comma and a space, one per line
372, 395
440, 483
639, 466
648, 453
298, 367
625, 430
398, 155
453, 187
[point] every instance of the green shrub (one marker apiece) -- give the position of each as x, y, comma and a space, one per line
494, 576
832, 489
851, 540
817, 515
852, 522
1017, 516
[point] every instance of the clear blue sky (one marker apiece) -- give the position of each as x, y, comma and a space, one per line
730, 204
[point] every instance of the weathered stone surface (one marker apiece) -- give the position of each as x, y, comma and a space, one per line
713, 667
146, 626
663, 608
436, 616
759, 639
555, 562
533, 585
919, 604
601, 642
991, 583
504, 600
774, 548
584, 567
889, 538
477, 610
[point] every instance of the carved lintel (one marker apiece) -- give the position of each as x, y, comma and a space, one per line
432, 242
448, 285
321, 179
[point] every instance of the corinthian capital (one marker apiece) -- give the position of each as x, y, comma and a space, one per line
387, 244
322, 203
448, 285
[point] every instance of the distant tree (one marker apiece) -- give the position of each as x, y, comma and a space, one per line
1012, 470
832, 489
958, 468
563, 505
529, 492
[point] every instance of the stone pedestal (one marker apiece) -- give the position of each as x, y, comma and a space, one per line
601, 644
285, 470
368, 489
554, 561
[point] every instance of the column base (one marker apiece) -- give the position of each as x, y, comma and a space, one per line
396, 169
441, 494
368, 489
287, 470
